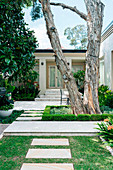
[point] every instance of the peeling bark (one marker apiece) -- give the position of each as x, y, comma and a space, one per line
75, 98
94, 27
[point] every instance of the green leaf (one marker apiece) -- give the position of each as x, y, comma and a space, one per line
7, 60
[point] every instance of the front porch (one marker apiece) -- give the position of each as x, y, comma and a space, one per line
49, 75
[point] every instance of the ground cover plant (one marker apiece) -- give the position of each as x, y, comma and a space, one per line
106, 130
48, 109
12, 117
61, 110
87, 153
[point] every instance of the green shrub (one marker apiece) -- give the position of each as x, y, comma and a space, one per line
68, 117
25, 92
109, 99
25, 99
6, 107
83, 117
96, 117
105, 109
104, 116
105, 96
71, 117
47, 110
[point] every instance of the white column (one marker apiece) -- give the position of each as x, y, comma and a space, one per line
42, 75
69, 61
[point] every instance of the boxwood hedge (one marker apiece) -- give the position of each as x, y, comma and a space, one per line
70, 117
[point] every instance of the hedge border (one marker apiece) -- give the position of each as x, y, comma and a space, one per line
68, 117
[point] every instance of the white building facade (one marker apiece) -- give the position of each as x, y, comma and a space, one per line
106, 57
49, 75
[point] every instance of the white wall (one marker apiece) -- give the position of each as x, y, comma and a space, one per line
106, 53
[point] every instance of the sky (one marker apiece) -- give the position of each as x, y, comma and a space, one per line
63, 19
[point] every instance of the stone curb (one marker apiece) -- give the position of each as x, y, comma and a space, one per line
1, 136
107, 147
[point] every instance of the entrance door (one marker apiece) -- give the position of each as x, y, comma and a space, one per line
55, 78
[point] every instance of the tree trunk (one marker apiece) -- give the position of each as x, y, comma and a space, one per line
74, 95
94, 27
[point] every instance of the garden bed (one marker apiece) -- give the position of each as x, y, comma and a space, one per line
12, 117
58, 116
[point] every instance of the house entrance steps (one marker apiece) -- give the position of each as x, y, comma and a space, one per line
52, 95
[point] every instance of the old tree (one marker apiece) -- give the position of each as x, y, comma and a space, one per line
94, 19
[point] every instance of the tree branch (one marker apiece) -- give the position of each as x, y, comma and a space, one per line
74, 9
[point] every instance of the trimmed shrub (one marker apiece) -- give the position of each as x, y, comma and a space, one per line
104, 116
96, 117
68, 117
47, 110
83, 117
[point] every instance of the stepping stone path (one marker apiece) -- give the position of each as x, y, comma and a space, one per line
30, 116
22, 115
50, 142
34, 112
44, 166
48, 153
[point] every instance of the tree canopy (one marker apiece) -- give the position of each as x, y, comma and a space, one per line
17, 42
77, 36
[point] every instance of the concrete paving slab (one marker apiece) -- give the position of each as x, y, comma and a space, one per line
47, 128
50, 142
3, 127
48, 153
33, 112
34, 105
28, 118
47, 166
25, 115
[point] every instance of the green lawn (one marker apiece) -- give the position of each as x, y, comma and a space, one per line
88, 153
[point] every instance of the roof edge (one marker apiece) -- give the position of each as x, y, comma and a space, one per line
64, 51
107, 28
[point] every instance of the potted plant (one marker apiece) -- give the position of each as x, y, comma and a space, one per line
6, 106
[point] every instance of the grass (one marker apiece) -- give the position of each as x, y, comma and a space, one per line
88, 153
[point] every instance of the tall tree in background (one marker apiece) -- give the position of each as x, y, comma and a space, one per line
94, 19
77, 36
17, 43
